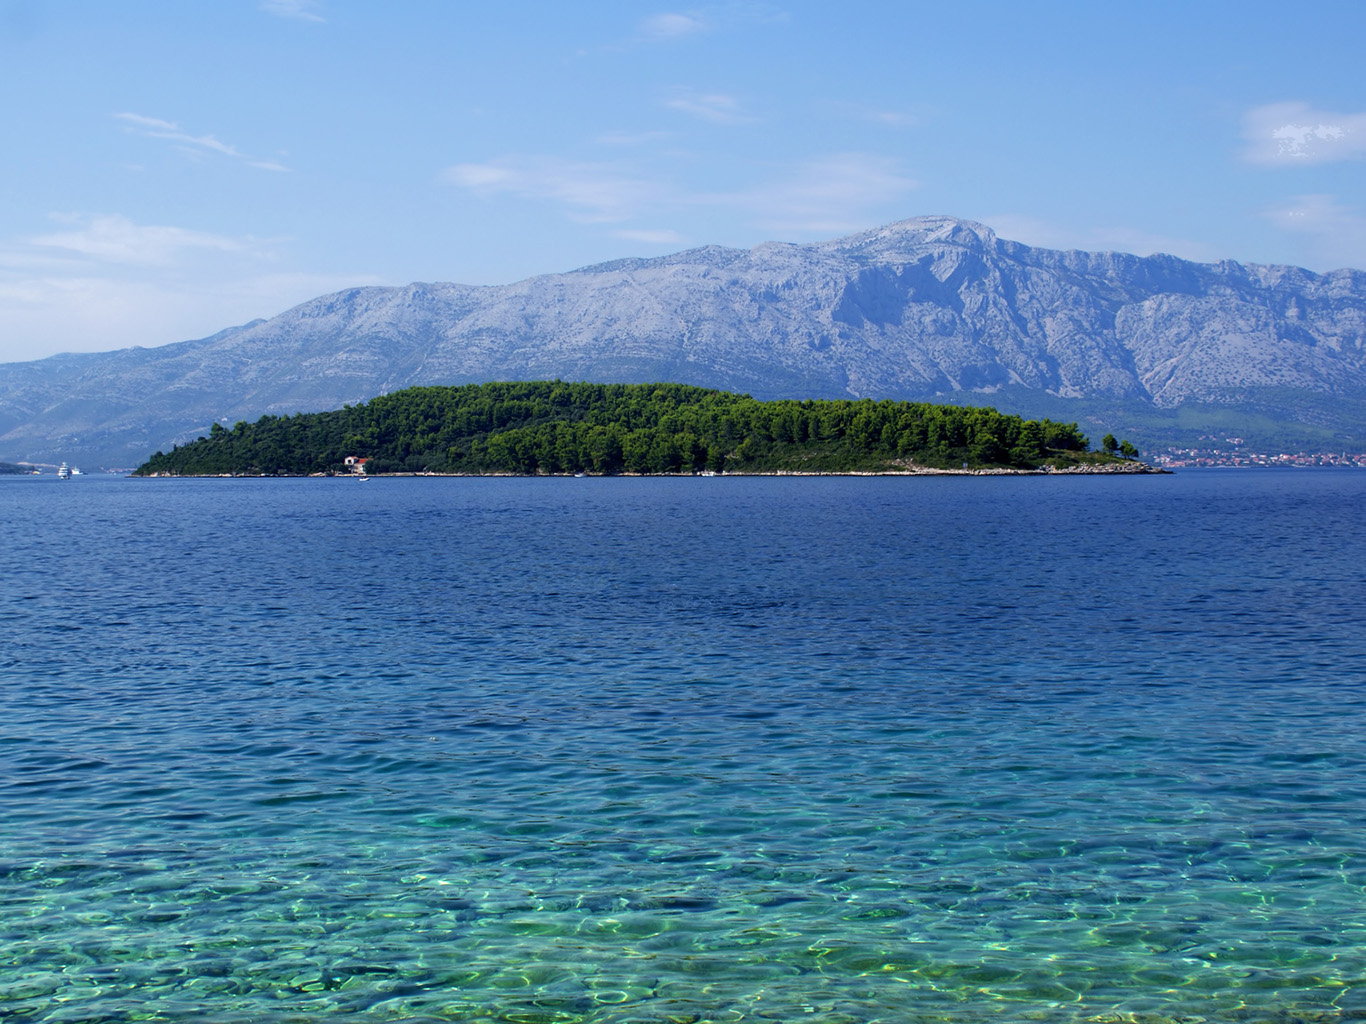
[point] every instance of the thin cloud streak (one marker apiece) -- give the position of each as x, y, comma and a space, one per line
828, 194
873, 115
114, 239
156, 128
298, 10
666, 26
633, 138
592, 193
660, 236
672, 26
717, 108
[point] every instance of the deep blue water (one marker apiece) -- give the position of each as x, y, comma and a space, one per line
684, 750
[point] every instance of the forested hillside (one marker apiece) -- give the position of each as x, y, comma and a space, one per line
553, 427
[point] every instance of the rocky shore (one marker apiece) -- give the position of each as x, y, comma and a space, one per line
1109, 468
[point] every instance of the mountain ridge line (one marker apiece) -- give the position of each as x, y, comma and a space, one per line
926, 309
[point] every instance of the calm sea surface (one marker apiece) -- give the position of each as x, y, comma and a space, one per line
684, 750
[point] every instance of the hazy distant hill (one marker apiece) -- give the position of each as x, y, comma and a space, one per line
933, 308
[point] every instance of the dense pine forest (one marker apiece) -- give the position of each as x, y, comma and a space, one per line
551, 427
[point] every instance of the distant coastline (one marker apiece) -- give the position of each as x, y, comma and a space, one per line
1132, 468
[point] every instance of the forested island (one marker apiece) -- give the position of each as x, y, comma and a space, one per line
552, 427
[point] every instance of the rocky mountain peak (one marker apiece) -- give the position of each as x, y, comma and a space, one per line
930, 308
917, 233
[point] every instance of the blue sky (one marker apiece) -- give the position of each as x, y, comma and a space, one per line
173, 168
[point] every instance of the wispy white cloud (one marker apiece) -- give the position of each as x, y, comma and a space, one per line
827, 194
114, 239
592, 192
1333, 234
632, 138
300, 10
105, 282
672, 25
715, 107
156, 128
1283, 134
651, 236
873, 115
894, 118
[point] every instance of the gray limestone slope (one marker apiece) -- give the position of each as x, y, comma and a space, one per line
931, 308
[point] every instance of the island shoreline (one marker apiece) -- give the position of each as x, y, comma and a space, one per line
1105, 469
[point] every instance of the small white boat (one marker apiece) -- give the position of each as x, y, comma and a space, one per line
64, 472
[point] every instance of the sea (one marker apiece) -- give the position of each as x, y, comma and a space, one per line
916, 750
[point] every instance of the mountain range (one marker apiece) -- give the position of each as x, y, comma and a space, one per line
934, 308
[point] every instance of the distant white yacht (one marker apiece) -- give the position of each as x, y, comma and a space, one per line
64, 472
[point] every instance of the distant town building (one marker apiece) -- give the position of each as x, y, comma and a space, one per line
1177, 458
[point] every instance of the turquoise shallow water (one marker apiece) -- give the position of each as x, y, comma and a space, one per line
684, 750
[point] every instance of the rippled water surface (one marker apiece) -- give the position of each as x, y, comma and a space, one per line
690, 750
